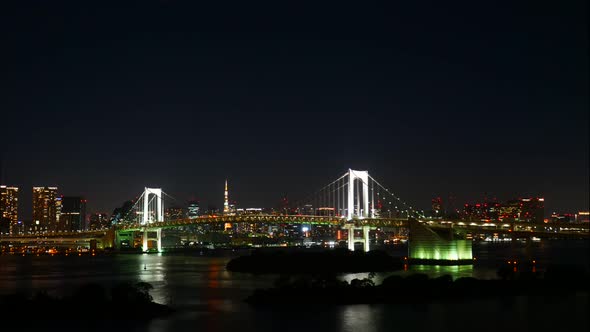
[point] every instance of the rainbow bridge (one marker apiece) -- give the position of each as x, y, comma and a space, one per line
355, 202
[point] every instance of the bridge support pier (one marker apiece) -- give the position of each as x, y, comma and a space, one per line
146, 238
350, 238
159, 239
366, 230
364, 240
144, 247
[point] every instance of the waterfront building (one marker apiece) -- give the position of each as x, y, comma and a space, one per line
46, 209
73, 214
8, 210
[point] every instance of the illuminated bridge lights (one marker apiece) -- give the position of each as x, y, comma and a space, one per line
283, 219
557, 230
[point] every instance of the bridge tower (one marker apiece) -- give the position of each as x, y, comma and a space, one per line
361, 202
152, 212
355, 200
153, 206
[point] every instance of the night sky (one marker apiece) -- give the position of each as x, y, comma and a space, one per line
434, 99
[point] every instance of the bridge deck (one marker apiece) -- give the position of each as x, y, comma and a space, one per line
545, 230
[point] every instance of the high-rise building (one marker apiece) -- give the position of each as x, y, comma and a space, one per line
99, 221
46, 204
73, 214
193, 210
528, 210
510, 211
532, 210
58, 206
487, 211
8, 210
226, 200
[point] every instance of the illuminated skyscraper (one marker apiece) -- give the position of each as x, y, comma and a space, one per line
8, 209
46, 209
73, 214
226, 200
193, 210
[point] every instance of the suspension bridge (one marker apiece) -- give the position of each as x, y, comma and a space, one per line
354, 202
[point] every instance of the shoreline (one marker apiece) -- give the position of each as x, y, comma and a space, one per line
420, 289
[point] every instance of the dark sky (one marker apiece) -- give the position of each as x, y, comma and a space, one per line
434, 99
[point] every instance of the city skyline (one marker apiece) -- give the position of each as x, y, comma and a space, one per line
439, 206
181, 96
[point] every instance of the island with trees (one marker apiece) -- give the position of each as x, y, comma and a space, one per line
325, 288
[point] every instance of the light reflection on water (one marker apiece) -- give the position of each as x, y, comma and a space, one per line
211, 298
153, 271
359, 317
432, 271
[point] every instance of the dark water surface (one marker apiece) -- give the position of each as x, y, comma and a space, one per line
209, 298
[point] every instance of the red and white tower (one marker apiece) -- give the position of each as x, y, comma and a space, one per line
226, 200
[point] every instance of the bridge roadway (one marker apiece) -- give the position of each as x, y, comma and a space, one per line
580, 230
270, 219
565, 230
574, 228
62, 238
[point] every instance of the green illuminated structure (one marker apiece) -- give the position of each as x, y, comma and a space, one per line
428, 245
